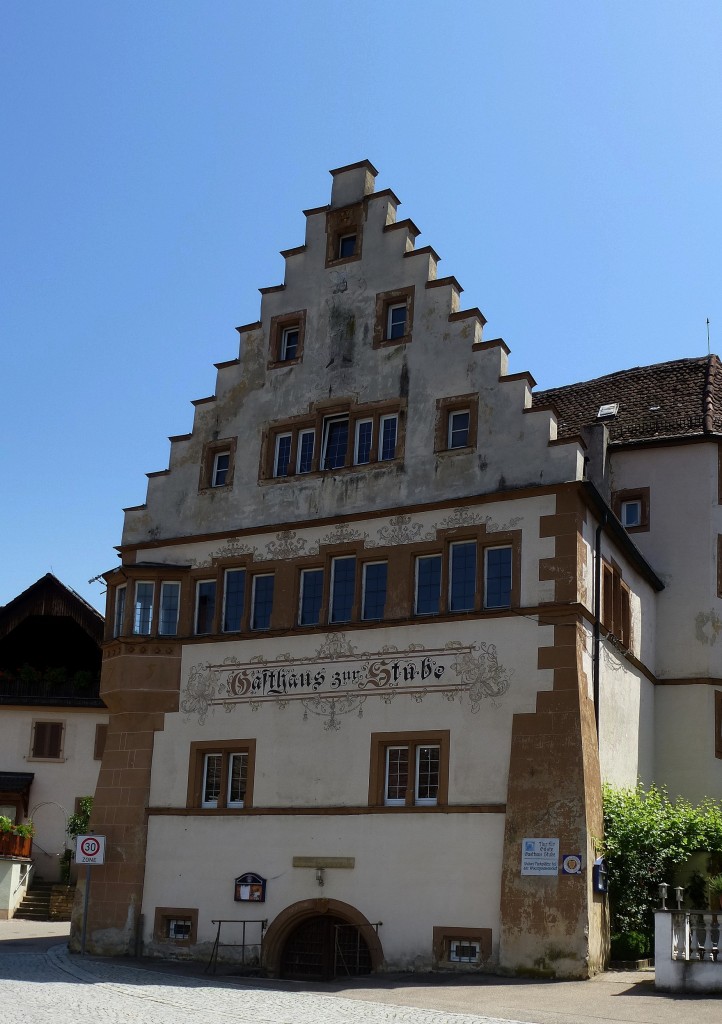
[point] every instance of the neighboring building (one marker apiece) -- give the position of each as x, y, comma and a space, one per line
52, 720
367, 619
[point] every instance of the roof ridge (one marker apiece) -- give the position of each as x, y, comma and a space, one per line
631, 369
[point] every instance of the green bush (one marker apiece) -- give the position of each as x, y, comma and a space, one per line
646, 837
629, 946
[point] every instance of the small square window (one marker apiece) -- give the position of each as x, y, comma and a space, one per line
632, 512
221, 465
394, 317
178, 925
217, 464
632, 508
456, 423
464, 951
286, 338
346, 246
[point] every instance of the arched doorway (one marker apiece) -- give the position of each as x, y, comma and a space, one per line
325, 947
316, 940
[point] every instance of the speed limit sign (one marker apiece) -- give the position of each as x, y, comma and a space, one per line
90, 850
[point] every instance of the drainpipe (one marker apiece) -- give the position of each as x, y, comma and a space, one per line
597, 616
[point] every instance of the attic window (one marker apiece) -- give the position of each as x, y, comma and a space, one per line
608, 410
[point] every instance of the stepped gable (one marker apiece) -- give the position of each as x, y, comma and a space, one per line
678, 399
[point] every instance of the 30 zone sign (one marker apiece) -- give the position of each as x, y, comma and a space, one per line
90, 850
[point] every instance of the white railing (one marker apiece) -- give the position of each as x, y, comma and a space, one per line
687, 951
695, 936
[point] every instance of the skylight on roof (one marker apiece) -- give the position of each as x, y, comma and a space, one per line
608, 410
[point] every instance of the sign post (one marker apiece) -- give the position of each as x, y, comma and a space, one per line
89, 850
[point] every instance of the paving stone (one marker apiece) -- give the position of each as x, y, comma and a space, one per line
55, 986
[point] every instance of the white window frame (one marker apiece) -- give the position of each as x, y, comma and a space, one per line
637, 504
332, 588
450, 428
454, 945
219, 471
328, 420
497, 547
380, 561
285, 336
119, 609
199, 583
390, 310
385, 419
357, 433
419, 559
184, 922
213, 803
341, 240
252, 611
174, 631
277, 451
243, 754
304, 574
426, 801
449, 602
301, 434
394, 801
226, 574
151, 584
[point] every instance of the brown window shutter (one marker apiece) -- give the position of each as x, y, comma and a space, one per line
101, 735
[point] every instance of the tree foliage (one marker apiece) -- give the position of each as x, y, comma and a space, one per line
78, 822
646, 837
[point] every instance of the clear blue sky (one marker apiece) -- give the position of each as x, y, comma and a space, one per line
563, 158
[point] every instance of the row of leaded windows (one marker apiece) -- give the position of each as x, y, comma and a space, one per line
336, 435
257, 591
463, 579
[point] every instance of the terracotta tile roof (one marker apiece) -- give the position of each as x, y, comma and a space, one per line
666, 400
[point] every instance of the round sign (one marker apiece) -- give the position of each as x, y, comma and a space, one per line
571, 864
89, 847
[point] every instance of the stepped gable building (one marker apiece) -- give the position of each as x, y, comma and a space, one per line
379, 633
52, 720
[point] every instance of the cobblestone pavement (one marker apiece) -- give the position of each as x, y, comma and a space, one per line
40, 987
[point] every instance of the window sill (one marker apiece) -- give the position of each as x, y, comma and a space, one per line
319, 473
276, 364
466, 450
47, 760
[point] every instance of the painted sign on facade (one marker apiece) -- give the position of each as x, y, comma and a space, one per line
338, 677
540, 857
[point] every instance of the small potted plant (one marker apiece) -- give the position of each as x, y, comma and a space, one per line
714, 884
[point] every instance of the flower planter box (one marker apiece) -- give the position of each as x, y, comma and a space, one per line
15, 846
